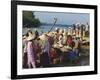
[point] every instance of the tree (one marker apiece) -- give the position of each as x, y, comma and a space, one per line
29, 20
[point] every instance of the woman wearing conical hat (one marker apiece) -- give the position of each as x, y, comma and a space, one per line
30, 49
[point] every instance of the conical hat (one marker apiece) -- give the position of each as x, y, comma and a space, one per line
42, 37
24, 37
30, 37
51, 34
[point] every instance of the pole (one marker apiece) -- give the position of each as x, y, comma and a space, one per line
53, 25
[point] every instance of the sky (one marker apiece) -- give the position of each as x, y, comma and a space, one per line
62, 18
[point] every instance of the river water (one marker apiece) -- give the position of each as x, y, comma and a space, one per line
43, 28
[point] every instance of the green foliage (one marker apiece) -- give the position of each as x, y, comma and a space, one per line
29, 20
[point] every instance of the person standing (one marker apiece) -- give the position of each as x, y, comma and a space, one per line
30, 49
44, 57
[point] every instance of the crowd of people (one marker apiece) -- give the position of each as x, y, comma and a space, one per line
50, 48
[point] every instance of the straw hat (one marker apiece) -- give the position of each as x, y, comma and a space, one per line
51, 34
42, 37
24, 37
30, 37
